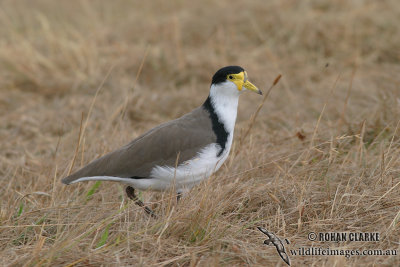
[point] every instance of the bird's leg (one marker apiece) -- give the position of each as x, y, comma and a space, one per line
178, 196
130, 192
180, 193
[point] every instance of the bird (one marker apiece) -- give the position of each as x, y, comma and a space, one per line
179, 153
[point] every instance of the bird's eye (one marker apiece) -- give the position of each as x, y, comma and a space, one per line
231, 77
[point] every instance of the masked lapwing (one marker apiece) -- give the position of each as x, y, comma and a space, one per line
179, 153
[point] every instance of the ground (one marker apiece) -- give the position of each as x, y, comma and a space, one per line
81, 78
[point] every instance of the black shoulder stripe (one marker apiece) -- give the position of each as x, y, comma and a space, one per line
217, 126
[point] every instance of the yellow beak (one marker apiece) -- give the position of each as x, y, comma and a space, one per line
249, 86
240, 79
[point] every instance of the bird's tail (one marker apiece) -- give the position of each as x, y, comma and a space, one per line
71, 179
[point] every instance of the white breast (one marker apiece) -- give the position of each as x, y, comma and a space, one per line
192, 171
224, 98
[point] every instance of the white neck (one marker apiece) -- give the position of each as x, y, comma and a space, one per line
225, 99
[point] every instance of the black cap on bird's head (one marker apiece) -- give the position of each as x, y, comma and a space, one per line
222, 74
235, 74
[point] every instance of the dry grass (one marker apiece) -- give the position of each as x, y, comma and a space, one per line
323, 154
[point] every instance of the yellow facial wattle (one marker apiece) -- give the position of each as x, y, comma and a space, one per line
240, 79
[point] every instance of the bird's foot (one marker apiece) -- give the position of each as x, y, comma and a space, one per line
130, 192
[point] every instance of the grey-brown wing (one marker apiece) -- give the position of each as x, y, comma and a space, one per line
161, 146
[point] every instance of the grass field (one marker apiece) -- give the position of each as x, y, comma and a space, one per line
81, 78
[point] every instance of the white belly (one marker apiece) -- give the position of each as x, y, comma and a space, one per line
190, 172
